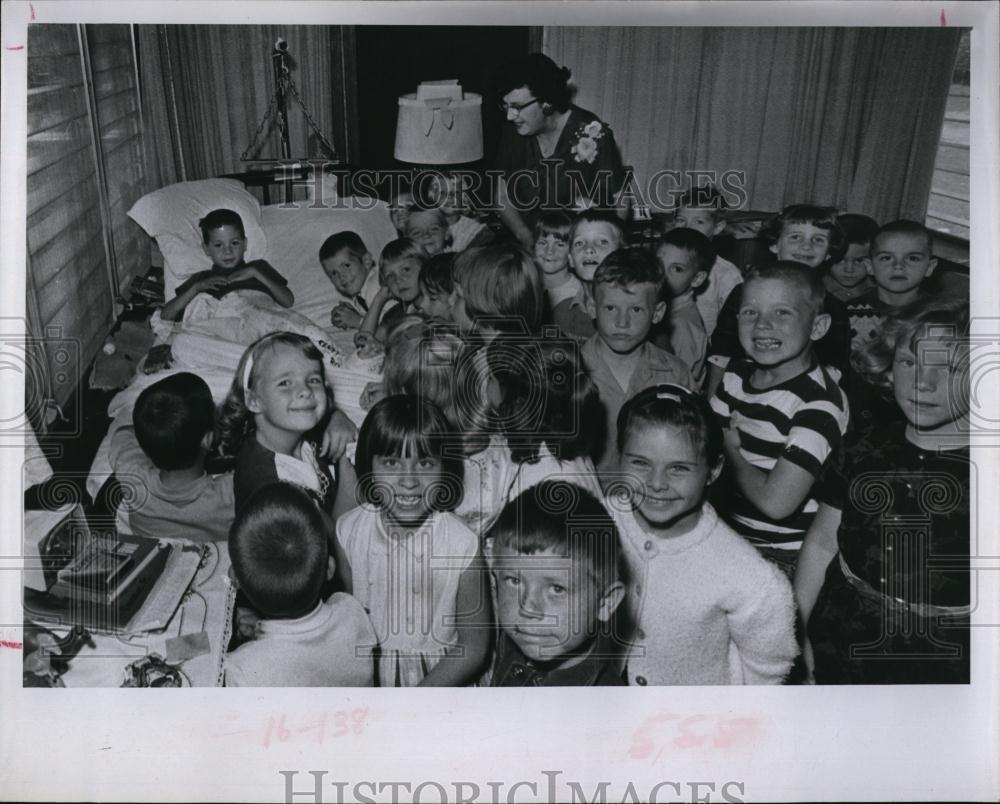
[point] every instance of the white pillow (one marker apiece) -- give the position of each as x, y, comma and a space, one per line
294, 236
171, 215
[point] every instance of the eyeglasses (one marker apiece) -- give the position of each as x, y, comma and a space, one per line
517, 108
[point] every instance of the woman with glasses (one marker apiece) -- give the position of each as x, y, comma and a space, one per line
553, 154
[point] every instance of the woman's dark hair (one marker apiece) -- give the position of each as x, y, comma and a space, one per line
537, 72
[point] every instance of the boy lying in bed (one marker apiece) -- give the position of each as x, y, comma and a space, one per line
225, 241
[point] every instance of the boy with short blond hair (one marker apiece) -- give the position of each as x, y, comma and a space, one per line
593, 237
627, 301
783, 412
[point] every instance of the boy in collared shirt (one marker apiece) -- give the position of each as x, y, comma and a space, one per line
558, 585
593, 237
627, 302
349, 265
686, 257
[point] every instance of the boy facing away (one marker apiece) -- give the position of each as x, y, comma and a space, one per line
163, 457
281, 560
349, 266
558, 585
783, 412
627, 302
224, 241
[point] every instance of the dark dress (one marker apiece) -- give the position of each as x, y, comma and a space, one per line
602, 668
585, 162
904, 552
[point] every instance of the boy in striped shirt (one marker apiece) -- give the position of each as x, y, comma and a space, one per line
783, 412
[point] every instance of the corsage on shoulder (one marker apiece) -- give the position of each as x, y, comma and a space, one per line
587, 136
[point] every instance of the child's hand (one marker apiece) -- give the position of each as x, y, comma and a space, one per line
731, 439
340, 432
211, 283
242, 274
345, 317
373, 392
247, 623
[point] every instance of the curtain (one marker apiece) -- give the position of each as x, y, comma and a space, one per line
206, 89
843, 116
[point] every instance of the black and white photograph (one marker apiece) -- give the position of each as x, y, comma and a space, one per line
515, 349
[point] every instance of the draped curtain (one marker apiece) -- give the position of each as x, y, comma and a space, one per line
849, 117
206, 89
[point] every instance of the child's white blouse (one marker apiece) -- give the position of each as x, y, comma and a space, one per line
408, 586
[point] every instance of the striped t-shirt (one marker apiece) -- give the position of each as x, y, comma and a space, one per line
802, 420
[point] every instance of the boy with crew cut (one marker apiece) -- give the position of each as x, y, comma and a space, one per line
593, 236
279, 546
627, 301
703, 209
224, 241
349, 265
783, 413
558, 584
163, 456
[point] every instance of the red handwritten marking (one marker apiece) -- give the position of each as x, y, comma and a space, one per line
654, 737
32, 11
6, 643
15, 47
944, 22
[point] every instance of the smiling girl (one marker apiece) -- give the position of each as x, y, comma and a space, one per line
707, 608
414, 566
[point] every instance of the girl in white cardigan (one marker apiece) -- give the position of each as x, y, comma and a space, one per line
706, 608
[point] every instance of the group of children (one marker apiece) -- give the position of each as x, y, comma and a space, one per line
593, 464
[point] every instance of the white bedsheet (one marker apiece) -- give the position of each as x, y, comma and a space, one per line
215, 333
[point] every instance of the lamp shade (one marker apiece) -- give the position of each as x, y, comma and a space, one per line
442, 130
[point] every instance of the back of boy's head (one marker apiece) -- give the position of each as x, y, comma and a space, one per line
567, 519
820, 217
669, 405
795, 274
594, 215
691, 240
218, 218
627, 267
171, 418
553, 222
703, 197
858, 229
278, 546
502, 284
402, 248
906, 227
408, 425
336, 243
435, 274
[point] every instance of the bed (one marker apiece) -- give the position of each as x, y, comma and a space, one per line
213, 335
